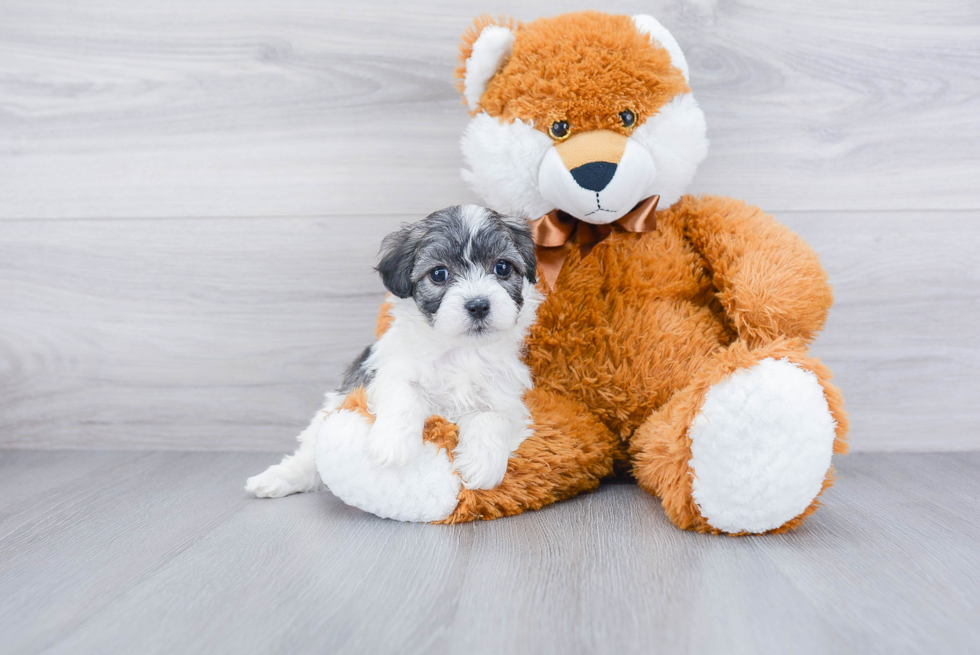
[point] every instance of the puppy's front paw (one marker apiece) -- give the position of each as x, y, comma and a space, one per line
479, 466
392, 444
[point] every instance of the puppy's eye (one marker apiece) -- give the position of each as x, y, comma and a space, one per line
502, 269
628, 117
560, 130
439, 275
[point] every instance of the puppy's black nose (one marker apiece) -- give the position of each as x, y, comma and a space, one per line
594, 176
478, 307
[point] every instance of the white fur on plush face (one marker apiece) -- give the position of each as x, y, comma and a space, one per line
490, 50
761, 447
516, 169
677, 140
635, 174
502, 162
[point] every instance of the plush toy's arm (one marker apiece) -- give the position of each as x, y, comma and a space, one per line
769, 280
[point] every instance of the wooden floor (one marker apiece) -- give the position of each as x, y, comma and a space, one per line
153, 552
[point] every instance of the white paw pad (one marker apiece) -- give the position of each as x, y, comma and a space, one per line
761, 447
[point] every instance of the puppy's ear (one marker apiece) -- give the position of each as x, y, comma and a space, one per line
397, 259
520, 230
484, 50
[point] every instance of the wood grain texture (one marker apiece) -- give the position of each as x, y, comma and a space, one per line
214, 334
903, 336
305, 107
165, 554
180, 334
192, 196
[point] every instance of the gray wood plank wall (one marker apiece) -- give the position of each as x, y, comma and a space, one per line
192, 194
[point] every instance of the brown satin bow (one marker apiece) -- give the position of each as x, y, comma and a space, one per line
553, 234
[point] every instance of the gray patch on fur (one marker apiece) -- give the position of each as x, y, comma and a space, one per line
495, 241
357, 374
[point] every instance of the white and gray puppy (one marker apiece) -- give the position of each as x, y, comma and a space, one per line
462, 298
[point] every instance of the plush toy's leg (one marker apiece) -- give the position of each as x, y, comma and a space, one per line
568, 454
746, 446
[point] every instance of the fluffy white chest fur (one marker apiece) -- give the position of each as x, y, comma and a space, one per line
478, 385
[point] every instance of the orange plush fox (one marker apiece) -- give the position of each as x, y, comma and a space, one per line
672, 342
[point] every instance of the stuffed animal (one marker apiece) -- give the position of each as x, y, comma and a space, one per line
672, 342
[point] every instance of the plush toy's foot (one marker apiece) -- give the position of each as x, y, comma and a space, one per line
424, 489
746, 448
761, 447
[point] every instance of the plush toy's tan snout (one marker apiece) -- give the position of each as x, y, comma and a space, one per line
592, 157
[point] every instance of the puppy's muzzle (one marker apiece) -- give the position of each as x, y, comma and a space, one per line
478, 308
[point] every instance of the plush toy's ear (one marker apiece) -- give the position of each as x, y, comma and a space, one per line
397, 259
660, 36
485, 48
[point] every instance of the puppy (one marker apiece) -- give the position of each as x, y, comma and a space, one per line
462, 297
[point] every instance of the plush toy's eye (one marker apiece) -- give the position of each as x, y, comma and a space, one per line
628, 117
560, 130
502, 269
439, 275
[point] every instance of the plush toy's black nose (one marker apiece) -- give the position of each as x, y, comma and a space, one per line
594, 176
478, 307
